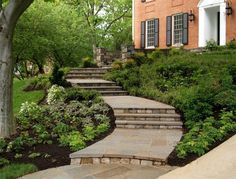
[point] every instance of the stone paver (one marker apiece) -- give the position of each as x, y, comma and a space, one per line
75, 81
130, 143
220, 163
101, 171
134, 102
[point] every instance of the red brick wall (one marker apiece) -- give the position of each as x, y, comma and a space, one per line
162, 8
231, 23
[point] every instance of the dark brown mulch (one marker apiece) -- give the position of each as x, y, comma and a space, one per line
173, 160
57, 156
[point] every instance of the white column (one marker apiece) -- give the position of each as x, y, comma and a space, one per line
223, 24
202, 24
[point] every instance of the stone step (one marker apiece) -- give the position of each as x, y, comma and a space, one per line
113, 93
90, 70
148, 117
149, 124
96, 84
82, 76
87, 73
103, 88
144, 110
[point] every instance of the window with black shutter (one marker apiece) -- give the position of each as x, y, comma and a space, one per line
177, 29
150, 33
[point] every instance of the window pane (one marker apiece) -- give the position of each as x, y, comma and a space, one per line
178, 28
150, 33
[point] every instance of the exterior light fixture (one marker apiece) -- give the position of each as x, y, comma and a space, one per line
229, 10
191, 16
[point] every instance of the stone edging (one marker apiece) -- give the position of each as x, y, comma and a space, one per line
113, 160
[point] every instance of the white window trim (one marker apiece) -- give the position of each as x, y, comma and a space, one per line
146, 36
173, 31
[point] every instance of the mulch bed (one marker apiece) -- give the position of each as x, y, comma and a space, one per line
55, 155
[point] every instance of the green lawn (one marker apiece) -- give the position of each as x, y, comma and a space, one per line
20, 96
17, 170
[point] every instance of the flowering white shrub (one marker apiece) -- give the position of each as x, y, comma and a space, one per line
55, 93
28, 108
28, 112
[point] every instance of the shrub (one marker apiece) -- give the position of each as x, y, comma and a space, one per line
231, 44
198, 85
29, 112
129, 63
157, 54
101, 128
88, 62
39, 83
61, 128
176, 51
139, 58
74, 140
57, 77
226, 99
81, 95
203, 134
42, 134
89, 133
55, 93
211, 45
117, 65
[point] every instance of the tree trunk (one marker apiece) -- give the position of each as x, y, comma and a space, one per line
7, 124
9, 16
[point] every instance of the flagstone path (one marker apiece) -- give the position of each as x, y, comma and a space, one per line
146, 131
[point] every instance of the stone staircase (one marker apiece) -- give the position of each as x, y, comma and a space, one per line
86, 73
146, 130
145, 114
148, 118
92, 79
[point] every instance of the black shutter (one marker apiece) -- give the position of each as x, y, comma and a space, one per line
143, 32
169, 30
185, 28
156, 36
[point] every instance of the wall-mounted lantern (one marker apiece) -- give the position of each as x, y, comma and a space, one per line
229, 9
191, 16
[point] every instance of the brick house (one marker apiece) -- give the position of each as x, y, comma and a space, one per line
168, 23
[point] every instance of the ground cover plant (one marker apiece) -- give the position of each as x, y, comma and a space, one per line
202, 86
46, 134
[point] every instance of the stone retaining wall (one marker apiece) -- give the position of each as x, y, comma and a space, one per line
116, 160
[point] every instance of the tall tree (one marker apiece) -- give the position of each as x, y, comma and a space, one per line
101, 15
42, 34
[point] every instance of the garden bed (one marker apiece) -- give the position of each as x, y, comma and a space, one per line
46, 134
202, 87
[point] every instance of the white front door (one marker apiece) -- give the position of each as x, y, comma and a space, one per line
212, 22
